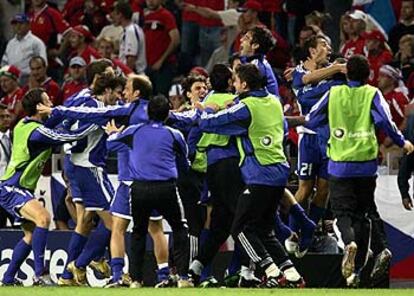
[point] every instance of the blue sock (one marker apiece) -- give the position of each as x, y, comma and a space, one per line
20, 253
98, 240
316, 213
299, 216
38, 246
235, 264
282, 230
76, 244
117, 264
206, 273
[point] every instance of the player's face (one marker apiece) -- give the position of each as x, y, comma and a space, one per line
198, 91
7, 84
110, 97
129, 93
323, 52
239, 86
246, 46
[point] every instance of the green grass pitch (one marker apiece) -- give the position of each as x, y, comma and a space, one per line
9, 291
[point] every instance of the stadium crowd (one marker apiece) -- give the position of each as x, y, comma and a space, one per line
216, 111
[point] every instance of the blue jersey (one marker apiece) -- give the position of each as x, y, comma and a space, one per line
128, 114
156, 151
235, 121
265, 69
382, 119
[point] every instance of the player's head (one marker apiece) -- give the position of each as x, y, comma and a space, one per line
195, 87
137, 86
318, 49
98, 67
358, 68
158, 108
104, 88
258, 40
247, 78
34, 97
221, 78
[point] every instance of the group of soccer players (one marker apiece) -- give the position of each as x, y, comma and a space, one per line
225, 148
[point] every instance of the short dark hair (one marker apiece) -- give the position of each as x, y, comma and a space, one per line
219, 78
124, 8
250, 74
358, 68
96, 67
158, 108
190, 80
104, 81
311, 42
31, 99
143, 84
39, 58
264, 38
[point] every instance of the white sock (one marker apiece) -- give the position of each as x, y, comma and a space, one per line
292, 274
272, 271
197, 267
163, 265
247, 273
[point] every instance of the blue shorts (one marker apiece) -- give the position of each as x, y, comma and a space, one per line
312, 158
121, 204
69, 170
12, 199
92, 187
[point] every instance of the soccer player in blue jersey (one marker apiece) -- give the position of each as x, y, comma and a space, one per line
156, 152
31, 149
311, 80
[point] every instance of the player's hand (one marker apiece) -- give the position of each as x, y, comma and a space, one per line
111, 128
288, 74
199, 106
408, 147
213, 106
43, 109
408, 204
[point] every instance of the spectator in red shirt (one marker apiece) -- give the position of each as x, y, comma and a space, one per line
392, 87
356, 43
106, 48
73, 12
76, 80
161, 40
9, 76
39, 78
378, 54
79, 38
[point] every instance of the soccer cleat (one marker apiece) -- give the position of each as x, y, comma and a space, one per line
135, 285
14, 283
185, 283
79, 274
210, 282
275, 282
306, 238
43, 280
381, 265
348, 261
101, 269
232, 281
292, 244
193, 277
66, 282
300, 283
254, 282
353, 280
124, 281
293, 278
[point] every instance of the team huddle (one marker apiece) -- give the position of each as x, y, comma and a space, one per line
223, 149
